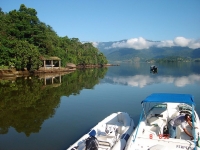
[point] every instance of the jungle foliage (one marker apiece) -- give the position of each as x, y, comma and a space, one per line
24, 39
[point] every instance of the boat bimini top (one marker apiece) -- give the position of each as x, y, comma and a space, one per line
170, 98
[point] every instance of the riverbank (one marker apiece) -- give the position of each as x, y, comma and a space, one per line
15, 73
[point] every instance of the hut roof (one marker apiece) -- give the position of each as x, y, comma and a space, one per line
71, 65
49, 58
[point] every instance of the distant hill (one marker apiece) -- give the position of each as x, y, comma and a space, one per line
114, 53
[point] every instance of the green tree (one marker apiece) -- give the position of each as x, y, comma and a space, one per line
26, 53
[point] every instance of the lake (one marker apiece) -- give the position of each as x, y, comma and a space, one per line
52, 113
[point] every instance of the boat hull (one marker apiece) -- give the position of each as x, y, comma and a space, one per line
150, 134
111, 133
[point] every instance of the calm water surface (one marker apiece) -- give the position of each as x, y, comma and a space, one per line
53, 116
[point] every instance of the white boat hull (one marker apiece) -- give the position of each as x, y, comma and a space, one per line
111, 133
149, 134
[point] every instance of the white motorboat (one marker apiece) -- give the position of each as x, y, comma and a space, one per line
152, 132
111, 133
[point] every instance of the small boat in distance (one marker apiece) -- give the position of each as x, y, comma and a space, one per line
159, 109
153, 69
111, 133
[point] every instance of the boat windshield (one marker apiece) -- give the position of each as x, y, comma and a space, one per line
157, 107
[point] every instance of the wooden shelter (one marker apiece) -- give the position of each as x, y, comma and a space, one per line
51, 62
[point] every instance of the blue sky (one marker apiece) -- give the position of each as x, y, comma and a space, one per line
114, 20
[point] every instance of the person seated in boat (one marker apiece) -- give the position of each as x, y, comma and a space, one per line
182, 120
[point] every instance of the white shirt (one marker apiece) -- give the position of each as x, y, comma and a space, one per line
179, 120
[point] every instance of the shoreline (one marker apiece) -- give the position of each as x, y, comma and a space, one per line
15, 73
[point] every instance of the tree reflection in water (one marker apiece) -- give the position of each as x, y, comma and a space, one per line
26, 102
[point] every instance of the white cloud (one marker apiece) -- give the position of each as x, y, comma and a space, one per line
141, 43
181, 41
166, 43
136, 43
95, 44
186, 80
135, 81
194, 44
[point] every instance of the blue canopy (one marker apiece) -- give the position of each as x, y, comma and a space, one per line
170, 98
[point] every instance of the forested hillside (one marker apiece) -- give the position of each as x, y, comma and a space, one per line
24, 39
167, 54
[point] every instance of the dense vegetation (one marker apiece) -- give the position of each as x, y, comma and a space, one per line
24, 39
173, 54
173, 59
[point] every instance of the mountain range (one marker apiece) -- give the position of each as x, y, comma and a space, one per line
124, 51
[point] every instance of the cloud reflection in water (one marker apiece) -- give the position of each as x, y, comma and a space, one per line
144, 80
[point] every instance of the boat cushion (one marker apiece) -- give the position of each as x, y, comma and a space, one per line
121, 129
106, 140
155, 121
158, 123
124, 119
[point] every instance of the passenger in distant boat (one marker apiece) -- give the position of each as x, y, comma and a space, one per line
182, 120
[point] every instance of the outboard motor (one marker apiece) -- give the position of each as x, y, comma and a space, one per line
91, 142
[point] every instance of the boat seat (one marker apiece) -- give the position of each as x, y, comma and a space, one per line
108, 141
121, 129
108, 137
157, 122
111, 129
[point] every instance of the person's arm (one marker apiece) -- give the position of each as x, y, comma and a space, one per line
190, 135
190, 123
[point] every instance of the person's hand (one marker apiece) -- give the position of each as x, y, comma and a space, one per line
194, 127
192, 137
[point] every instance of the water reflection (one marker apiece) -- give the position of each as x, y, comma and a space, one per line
26, 102
138, 75
25, 105
144, 80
